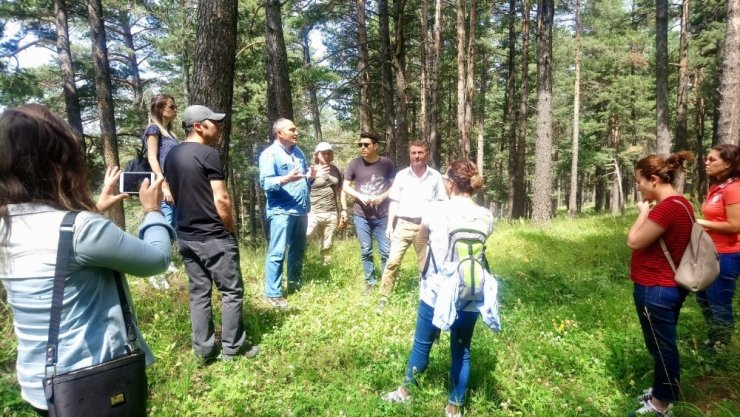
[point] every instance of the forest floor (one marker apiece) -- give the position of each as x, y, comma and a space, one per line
570, 344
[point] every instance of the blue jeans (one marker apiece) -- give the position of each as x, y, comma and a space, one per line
170, 214
658, 309
716, 301
461, 334
286, 232
367, 229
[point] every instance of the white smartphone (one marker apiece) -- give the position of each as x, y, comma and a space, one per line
130, 182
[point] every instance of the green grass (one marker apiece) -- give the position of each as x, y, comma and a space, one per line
570, 345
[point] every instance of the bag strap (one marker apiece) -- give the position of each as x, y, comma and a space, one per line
662, 242
430, 258
64, 251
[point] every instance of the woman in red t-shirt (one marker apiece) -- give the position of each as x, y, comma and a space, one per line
722, 220
657, 298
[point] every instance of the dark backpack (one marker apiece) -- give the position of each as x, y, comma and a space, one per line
140, 162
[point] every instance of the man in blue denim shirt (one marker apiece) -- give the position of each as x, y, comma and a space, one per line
285, 176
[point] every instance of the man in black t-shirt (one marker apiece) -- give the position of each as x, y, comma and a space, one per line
368, 179
205, 230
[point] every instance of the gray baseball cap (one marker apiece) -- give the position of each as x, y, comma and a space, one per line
198, 113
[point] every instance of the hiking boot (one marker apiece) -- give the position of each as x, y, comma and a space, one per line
400, 395
381, 305
159, 282
369, 288
277, 302
648, 409
249, 353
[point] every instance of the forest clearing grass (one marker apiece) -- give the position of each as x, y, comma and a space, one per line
570, 345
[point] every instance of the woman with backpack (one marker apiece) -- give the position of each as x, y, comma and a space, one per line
159, 140
662, 216
721, 212
460, 211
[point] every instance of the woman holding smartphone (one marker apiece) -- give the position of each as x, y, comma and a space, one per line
159, 141
663, 214
43, 176
721, 212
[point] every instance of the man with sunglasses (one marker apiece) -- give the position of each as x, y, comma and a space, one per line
206, 234
286, 178
368, 179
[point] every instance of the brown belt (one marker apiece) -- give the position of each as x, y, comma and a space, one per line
414, 220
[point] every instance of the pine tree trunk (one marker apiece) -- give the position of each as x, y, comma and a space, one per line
424, 94
541, 209
470, 60
386, 79
509, 119
519, 205
399, 67
683, 81
464, 138
69, 86
363, 76
213, 68
572, 207
133, 65
186, 59
729, 109
700, 118
313, 100
104, 92
279, 92
434, 87
663, 135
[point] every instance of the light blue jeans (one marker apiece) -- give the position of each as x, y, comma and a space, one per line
287, 233
170, 214
367, 229
461, 335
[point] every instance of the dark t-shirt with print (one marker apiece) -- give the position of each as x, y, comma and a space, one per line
371, 179
190, 167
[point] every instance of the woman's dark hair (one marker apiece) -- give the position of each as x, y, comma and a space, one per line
156, 108
464, 175
663, 168
41, 162
731, 154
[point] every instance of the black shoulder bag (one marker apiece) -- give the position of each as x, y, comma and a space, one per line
116, 388
140, 162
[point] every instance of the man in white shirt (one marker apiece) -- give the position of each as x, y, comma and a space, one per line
412, 192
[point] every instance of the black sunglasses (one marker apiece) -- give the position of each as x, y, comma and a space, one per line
364, 144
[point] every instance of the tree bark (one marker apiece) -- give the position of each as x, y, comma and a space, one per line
313, 100
424, 94
470, 59
509, 117
399, 66
133, 64
681, 142
572, 206
541, 208
663, 134
279, 92
464, 138
363, 76
213, 67
104, 92
386, 79
519, 200
434, 136
69, 86
729, 108
186, 58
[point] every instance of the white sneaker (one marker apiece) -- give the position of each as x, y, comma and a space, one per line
159, 282
650, 410
396, 396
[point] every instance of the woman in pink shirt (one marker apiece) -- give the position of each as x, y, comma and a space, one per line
721, 212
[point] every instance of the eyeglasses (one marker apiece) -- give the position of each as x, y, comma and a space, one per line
364, 144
